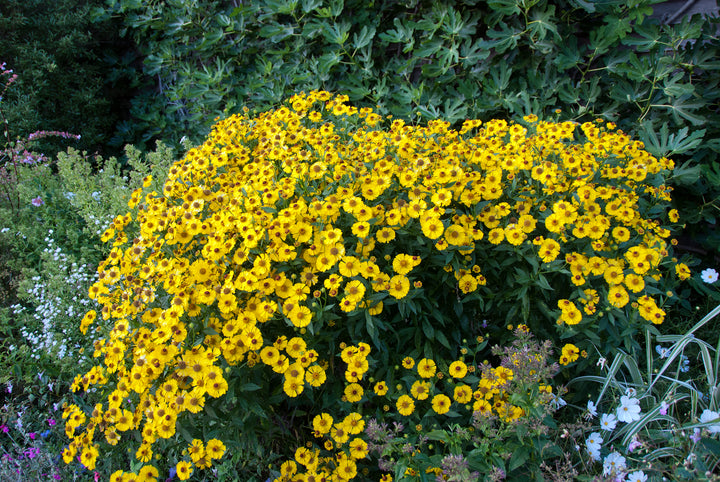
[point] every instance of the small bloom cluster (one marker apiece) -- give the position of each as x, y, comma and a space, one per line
37, 135
56, 302
614, 464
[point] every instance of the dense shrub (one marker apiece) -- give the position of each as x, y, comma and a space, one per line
64, 86
308, 262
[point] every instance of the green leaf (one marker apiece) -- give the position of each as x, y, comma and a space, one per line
428, 330
506, 7
505, 39
276, 32
541, 23
440, 336
364, 38
669, 144
674, 88
337, 33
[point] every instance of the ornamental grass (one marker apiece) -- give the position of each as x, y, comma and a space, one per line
334, 273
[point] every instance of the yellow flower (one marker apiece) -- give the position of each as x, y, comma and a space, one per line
618, 296
432, 227
322, 423
380, 388
183, 469
315, 376
300, 316
462, 394
353, 392
457, 369
441, 404
399, 286
405, 405
570, 353
420, 390
682, 271
426, 368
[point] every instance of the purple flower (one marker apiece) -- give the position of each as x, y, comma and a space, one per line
37, 201
51, 422
4, 428
31, 435
634, 443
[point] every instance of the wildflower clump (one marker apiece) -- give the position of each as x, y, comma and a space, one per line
308, 255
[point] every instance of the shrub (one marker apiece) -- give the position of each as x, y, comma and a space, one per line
65, 85
302, 256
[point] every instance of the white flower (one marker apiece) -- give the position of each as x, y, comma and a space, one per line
557, 402
613, 463
629, 409
710, 416
592, 408
637, 476
709, 275
593, 443
608, 422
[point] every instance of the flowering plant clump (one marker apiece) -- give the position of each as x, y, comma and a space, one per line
304, 255
654, 421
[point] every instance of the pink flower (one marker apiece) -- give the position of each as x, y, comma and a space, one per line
37, 201
4, 428
31, 435
51, 422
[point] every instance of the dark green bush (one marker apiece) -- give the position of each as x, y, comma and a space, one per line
62, 86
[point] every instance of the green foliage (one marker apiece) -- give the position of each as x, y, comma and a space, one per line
59, 52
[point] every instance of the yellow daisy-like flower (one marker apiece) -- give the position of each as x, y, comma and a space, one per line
462, 394
426, 368
570, 353
380, 388
682, 271
353, 392
405, 405
300, 316
399, 286
183, 469
432, 227
458, 369
408, 362
441, 403
322, 423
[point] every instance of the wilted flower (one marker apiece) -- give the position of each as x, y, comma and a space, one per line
592, 409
